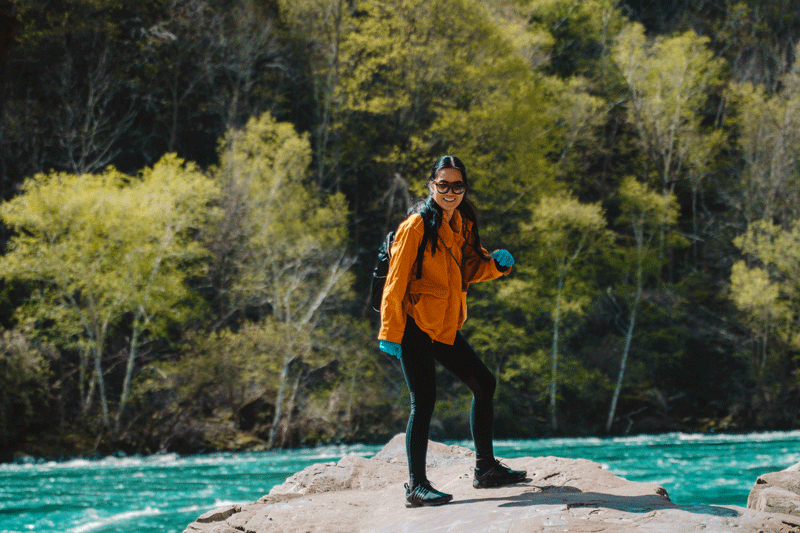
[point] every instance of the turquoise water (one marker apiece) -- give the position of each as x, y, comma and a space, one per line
164, 493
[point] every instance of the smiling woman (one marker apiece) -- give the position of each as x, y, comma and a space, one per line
421, 319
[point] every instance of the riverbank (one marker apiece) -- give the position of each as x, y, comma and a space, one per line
163, 493
70, 443
359, 494
213, 435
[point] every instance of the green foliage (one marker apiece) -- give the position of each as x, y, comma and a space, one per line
227, 369
647, 214
289, 236
547, 102
768, 292
581, 33
24, 373
402, 72
505, 182
754, 293
565, 231
669, 80
769, 142
644, 208
290, 258
106, 251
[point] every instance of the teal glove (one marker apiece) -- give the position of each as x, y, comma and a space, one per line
503, 258
392, 348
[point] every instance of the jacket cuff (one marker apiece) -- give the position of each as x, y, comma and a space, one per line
391, 336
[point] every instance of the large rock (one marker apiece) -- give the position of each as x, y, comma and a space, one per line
367, 495
777, 492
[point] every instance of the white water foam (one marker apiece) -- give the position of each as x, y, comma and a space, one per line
120, 517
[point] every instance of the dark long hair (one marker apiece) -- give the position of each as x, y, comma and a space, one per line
431, 212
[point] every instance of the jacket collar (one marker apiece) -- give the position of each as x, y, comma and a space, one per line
456, 221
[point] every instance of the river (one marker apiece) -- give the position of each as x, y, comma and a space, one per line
164, 493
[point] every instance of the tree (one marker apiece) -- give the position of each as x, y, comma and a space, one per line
238, 367
769, 143
105, 253
182, 60
645, 212
290, 258
669, 81
407, 87
520, 113
247, 52
566, 229
321, 24
580, 34
767, 292
24, 369
71, 92
93, 112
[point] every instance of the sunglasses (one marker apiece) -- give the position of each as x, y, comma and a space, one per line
443, 187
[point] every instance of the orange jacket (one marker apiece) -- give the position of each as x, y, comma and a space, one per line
436, 301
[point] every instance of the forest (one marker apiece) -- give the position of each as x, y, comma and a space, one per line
194, 192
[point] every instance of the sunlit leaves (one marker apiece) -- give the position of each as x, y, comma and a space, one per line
289, 234
767, 291
566, 226
754, 293
643, 207
566, 230
769, 142
669, 81
289, 259
99, 249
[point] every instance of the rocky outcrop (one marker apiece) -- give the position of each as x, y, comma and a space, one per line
777, 492
367, 495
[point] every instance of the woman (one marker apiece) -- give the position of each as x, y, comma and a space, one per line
421, 318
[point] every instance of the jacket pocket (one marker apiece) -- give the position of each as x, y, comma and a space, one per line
429, 302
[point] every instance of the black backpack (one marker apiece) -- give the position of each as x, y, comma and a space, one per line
382, 268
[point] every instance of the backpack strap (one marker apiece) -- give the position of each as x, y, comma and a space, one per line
421, 254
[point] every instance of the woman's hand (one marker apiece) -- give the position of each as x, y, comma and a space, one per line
392, 348
503, 258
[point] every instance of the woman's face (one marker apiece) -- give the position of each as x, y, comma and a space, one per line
450, 181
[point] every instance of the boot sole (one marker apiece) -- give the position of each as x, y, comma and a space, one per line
428, 504
484, 485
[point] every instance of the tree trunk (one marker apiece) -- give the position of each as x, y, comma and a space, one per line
640, 249
86, 404
98, 368
287, 361
123, 399
287, 420
628, 337
84, 396
554, 357
101, 385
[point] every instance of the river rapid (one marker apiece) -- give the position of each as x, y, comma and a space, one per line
164, 493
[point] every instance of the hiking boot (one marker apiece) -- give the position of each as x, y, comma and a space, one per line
499, 474
424, 494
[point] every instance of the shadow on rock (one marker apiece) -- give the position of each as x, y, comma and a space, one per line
572, 497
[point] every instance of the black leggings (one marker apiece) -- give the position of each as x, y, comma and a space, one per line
419, 353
